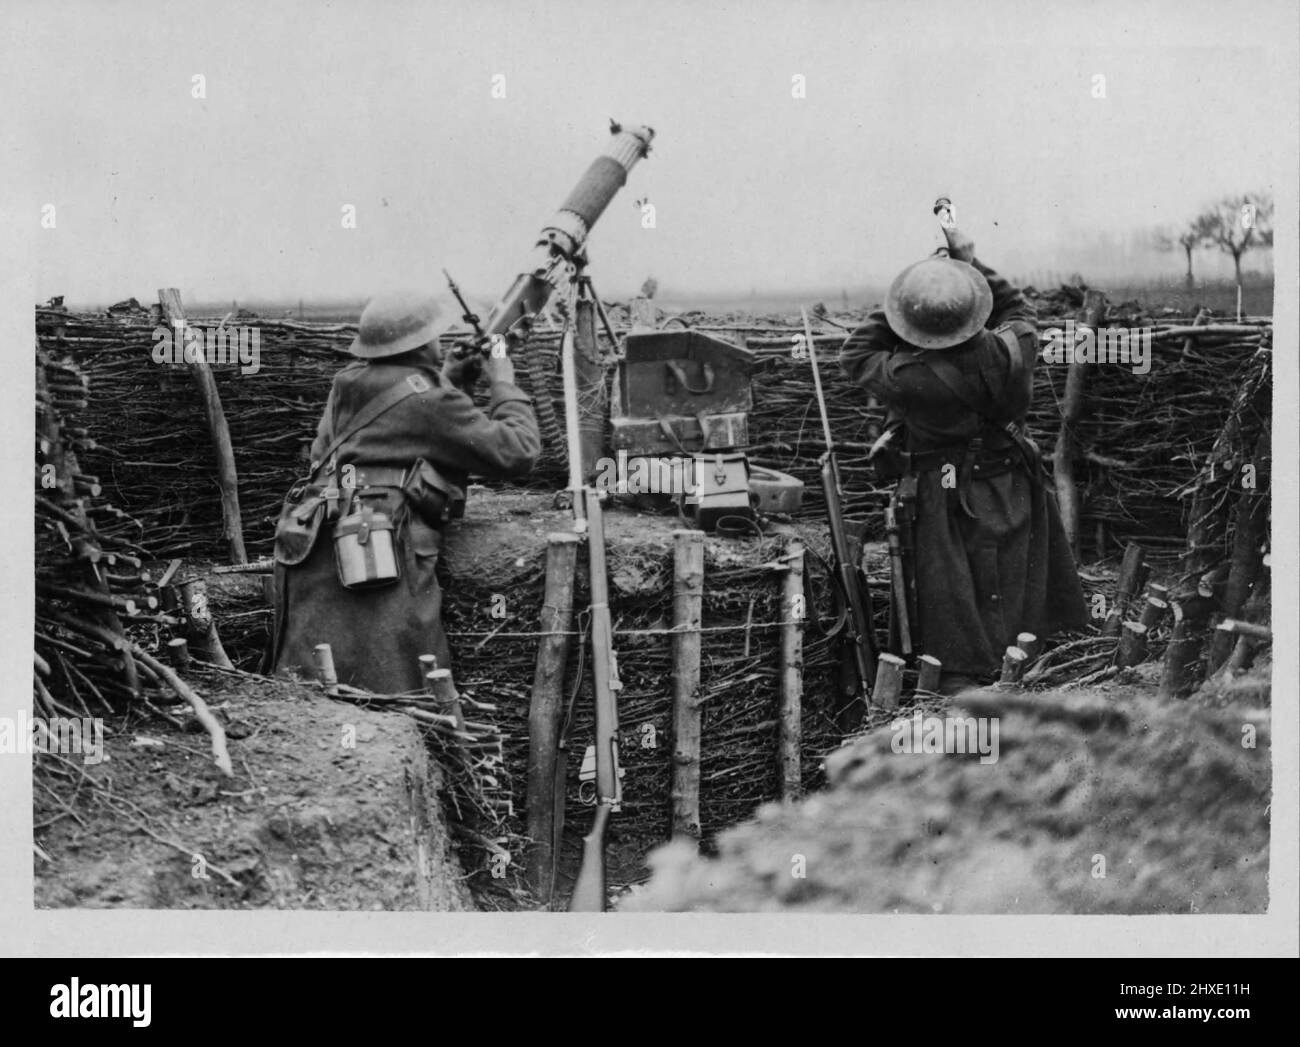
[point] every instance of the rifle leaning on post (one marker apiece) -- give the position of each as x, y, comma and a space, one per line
856, 638
589, 890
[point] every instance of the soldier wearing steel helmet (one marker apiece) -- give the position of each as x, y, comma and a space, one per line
394, 450
951, 357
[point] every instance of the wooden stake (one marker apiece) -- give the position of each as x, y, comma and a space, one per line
1182, 659
793, 612
227, 478
889, 682
1063, 455
1132, 647
1250, 529
1259, 633
1154, 612
1243, 655
201, 630
1030, 644
323, 655
688, 593
1132, 573
443, 688
1013, 664
546, 708
178, 653
927, 678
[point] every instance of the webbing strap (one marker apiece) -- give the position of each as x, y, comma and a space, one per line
950, 375
385, 401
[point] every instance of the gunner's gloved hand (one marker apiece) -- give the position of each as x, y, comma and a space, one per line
463, 372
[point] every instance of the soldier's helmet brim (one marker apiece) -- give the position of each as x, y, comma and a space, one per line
938, 303
398, 321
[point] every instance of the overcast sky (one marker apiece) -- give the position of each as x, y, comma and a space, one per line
388, 106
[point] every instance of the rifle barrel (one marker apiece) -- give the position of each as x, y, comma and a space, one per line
817, 380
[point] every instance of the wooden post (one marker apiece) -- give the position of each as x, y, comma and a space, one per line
1132, 573
927, 679
1250, 529
688, 593
323, 655
1030, 644
793, 612
1241, 659
1182, 659
1259, 633
1157, 592
227, 478
1063, 455
1244, 638
546, 709
1132, 648
178, 653
200, 629
1013, 665
1153, 613
443, 688
889, 682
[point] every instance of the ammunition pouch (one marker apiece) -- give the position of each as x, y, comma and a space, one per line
435, 498
299, 524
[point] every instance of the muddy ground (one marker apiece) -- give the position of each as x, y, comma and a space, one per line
1102, 800
331, 807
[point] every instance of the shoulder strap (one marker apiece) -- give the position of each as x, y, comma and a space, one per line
951, 376
385, 401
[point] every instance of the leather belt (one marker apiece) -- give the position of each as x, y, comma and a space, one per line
983, 464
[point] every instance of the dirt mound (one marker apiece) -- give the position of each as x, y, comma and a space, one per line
332, 807
1099, 801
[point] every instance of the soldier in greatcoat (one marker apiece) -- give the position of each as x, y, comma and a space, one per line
359, 538
952, 356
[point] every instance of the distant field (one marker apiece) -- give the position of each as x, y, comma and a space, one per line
1257, 300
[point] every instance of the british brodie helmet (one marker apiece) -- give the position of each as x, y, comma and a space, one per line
397, 322
938, 303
